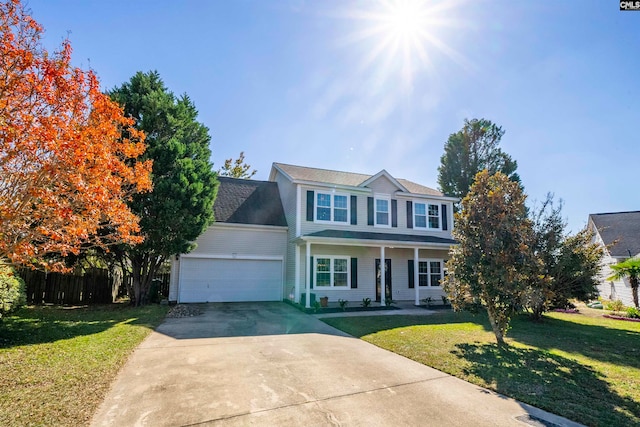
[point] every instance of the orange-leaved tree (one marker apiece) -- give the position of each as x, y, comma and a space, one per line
65, 172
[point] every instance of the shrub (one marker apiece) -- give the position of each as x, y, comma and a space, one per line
366, 302
388, 302
12, 291
343, 304
633, 313
427, 301
615, 305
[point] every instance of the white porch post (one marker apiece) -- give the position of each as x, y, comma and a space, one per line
308, 275
296, 292
416, 284
383, 274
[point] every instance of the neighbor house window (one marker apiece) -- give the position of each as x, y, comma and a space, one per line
426, 215
430, 273
332, 207
332, 272
382, 211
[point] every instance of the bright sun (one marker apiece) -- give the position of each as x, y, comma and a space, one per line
406, 35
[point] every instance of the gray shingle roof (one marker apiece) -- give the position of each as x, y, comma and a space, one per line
244, 201
365, 235
622, 229
346, 178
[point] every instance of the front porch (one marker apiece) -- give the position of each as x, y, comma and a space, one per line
347, 267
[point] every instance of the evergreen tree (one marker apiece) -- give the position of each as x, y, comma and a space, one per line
470, 150
180, 206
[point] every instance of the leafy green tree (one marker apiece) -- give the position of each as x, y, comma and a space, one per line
629, 268
493, 262
12, 291
180, 207
237, 168
568, 266
470, 150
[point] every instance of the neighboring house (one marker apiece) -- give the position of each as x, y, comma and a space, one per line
619, 233
340, 226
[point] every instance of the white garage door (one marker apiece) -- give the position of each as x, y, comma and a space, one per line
229, 280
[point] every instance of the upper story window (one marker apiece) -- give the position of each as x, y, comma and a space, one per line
426, 215
332, 207
382, 211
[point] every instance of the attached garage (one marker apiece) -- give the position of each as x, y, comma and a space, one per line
241, 256
230, 280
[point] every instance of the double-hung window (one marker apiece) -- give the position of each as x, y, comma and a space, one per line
382, 213
332, 272
332, 207
430, 273
426, 215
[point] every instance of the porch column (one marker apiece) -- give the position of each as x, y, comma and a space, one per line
296, 291
416, 284
383, 274
307, 276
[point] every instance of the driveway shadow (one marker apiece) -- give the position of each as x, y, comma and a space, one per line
244, 320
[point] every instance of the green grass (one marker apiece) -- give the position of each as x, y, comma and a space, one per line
56, 364
584, 368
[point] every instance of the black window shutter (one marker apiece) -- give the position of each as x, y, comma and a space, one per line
444, 218
354, 210
354, 273
394, 213
310, 197
411, 278
409, 214
370, 210
311, 273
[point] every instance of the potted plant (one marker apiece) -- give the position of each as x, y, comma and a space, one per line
324, 301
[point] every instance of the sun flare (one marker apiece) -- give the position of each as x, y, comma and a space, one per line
405, 36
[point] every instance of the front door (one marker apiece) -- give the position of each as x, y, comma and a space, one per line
387, 279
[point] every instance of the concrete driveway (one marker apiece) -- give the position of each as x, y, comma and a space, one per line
268, 364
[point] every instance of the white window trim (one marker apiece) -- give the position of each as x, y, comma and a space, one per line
331, 270
428, 260
331, 207
426, 204
375, 210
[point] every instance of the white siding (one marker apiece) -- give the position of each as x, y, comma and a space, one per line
225, 240
366, 272
383, 185
312, 227
614, 289
238, 241
288, 197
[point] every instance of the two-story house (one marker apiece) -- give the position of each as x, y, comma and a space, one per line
315, 231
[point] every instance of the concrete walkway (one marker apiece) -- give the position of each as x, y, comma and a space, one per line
268, 364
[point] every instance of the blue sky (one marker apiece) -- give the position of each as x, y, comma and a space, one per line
321, 84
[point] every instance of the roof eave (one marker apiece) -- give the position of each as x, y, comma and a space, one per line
375, 243
427, 196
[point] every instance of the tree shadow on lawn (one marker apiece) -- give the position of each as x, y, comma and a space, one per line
606, 344
550, 382
361, 326
38, 325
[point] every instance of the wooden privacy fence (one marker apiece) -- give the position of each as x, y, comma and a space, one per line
96, 286
93, 287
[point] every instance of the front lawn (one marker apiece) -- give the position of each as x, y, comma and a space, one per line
56, 364
584, 368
